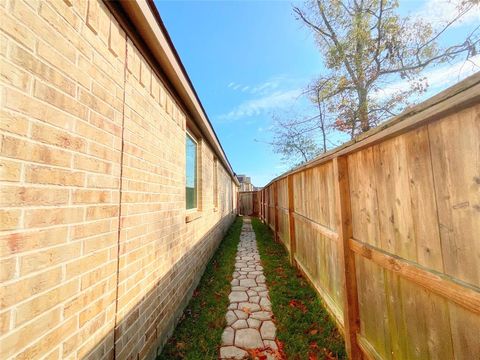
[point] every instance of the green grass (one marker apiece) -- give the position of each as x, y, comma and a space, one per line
199, 333
303, 325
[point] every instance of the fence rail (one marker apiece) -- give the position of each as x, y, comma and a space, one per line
387, 230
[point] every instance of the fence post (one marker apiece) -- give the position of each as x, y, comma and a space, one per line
263, 204
266, 205
351, 316
275, 199
291, 220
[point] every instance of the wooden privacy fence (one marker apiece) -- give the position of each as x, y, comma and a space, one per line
248, 203
387, 229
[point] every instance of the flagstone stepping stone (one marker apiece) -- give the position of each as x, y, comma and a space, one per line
228, 336
260, 288
254, 323
271, 344
265, 302
260, 279
232, 352
240, 324
248, 283
238, 296
230, 317
262, 315
248, 339
254, 299
239, 288
250, 306
249, 316
240, 313
268, 330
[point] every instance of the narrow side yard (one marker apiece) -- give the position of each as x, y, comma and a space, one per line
303, 326
199, 332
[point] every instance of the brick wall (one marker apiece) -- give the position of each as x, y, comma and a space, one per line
96, 255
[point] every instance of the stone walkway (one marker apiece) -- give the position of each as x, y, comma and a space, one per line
249, 315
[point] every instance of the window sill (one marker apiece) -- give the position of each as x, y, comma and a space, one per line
193, 216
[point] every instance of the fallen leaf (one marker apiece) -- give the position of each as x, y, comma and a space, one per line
280, 353
247, 310
298, 304
329, 355
313, 331
181, 345
257, 354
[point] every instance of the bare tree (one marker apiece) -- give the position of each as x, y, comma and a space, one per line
295, 139
366, 45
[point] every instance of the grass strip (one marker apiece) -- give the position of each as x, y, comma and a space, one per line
199, 332
303, 325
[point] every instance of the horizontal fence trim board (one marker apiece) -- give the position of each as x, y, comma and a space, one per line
334, 311
463, 295
453, 99
317, 226
367, 349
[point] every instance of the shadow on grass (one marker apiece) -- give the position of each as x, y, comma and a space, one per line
303, 325
199, 332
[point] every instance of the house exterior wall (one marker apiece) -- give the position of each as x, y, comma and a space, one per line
97, 257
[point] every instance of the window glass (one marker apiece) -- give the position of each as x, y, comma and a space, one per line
215, 183
191, 173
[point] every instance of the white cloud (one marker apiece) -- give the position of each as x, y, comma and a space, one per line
262, 88
439, 12
261, 105
438, 78
266, 86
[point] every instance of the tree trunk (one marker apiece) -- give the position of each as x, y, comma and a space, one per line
363, 110
322, 123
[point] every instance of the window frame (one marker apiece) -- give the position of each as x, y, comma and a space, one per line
215, 183
195, 140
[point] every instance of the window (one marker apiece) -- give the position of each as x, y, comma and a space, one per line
215, 183
191, 173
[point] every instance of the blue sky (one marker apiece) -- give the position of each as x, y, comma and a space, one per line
249, 60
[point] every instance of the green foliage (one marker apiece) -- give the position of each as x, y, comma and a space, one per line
297, 147
303, 325
367, 45
199, 333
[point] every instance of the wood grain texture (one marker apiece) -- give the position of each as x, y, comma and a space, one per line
346, 258
465, 296
414, 196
